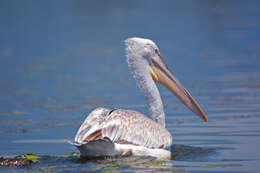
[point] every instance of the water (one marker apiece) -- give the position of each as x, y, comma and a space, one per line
60, 61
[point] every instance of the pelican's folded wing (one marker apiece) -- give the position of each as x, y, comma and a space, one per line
131, 127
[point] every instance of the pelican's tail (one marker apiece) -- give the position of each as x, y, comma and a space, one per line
96, 148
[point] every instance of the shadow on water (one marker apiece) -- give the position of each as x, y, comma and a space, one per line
190, 153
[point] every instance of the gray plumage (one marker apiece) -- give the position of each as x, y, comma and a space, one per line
123, 127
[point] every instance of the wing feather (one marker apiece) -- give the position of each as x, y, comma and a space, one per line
91, 124
135, 128
124, 127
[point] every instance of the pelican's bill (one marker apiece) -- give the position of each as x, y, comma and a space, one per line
160, 73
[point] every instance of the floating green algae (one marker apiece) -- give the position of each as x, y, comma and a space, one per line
73, 154
34, 158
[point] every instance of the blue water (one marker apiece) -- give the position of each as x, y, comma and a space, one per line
60, 60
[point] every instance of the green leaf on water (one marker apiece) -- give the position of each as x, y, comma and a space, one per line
73, 154
32, 157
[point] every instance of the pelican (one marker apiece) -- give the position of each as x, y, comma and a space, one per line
111, 132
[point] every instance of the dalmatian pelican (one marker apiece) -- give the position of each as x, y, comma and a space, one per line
111, 132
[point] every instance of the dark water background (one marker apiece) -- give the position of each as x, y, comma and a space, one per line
61, 59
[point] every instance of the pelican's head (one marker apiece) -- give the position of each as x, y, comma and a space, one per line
146, 52
143, 49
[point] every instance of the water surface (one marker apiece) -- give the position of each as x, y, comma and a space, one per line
60, 61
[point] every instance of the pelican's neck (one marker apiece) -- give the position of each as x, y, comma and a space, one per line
139, 68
